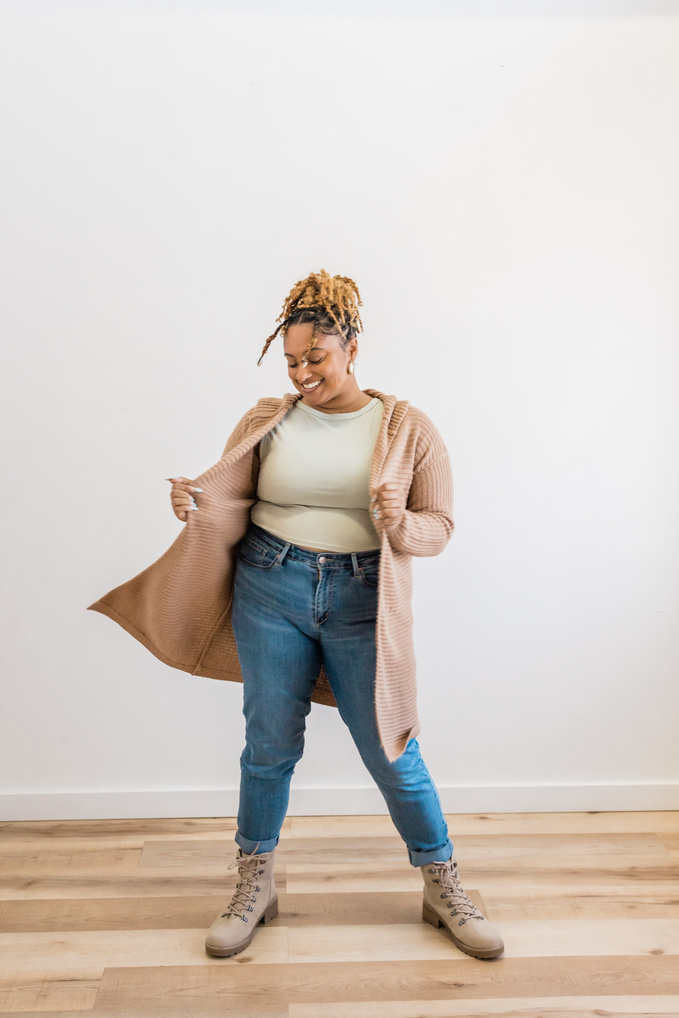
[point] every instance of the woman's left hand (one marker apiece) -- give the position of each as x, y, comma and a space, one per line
389, 504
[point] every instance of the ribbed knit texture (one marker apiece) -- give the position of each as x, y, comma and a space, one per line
179, 608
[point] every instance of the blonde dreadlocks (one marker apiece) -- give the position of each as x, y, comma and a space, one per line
328, 301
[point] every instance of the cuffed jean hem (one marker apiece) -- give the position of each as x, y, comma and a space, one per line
435, 855
258, 847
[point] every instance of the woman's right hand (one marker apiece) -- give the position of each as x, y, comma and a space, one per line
183, 501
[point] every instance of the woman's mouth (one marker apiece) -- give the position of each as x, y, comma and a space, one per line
310, 386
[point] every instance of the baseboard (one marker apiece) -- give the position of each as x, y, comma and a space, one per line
338, 801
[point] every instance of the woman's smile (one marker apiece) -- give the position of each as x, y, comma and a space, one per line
337, 390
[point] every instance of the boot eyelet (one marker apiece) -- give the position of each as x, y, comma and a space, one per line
244, 918
442, 895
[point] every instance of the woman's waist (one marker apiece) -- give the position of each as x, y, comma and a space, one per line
314, 528
343, 559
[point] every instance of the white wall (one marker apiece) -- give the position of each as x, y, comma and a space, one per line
501, 181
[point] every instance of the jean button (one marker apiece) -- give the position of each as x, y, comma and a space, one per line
321, 559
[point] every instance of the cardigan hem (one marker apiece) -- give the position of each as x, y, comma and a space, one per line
396, 747
138, 634
317, 696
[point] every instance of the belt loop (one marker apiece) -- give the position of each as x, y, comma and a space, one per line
282, 554
354, 562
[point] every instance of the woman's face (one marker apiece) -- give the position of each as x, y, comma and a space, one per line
325, 376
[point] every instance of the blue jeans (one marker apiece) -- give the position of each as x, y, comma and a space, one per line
293, 608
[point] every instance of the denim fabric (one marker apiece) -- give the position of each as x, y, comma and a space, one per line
293, 608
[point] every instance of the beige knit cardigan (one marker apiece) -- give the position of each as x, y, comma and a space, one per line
179, 608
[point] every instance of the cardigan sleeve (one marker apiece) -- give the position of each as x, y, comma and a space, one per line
427, 522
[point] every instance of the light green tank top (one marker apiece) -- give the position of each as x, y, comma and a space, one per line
314, 476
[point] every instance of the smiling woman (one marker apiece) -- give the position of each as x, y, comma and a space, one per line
242, 595
298, 607
326, 378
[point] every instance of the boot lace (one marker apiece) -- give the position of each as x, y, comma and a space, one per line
248, 871
451, 888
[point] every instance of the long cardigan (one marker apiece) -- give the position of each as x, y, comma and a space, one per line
179, 608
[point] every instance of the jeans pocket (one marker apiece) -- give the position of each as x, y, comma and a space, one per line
370, 572
257, 555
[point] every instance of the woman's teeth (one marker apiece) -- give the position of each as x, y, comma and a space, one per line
312, 385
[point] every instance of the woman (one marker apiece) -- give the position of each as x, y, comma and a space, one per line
312, 515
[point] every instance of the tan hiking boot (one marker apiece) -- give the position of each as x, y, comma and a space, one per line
446, 904
254, 901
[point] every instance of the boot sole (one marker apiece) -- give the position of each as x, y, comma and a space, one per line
431, 917
270, 912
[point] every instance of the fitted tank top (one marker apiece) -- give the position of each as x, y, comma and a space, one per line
313, 486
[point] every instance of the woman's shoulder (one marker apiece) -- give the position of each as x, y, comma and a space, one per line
268, 406
424, 434
272, 403
417, 419
253, 419
402, 413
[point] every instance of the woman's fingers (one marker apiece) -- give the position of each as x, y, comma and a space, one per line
184, 483
389, 495
182, 498
389, 502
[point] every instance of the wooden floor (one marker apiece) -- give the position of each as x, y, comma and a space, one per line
109, 917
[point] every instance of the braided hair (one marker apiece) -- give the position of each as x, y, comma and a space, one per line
330, 302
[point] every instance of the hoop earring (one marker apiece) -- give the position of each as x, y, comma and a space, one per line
351, 367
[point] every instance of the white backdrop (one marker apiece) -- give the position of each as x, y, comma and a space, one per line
501, 182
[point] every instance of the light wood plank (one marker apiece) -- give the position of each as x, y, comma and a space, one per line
92, 861
81, 914
663, 867
542, 874
553, 866
561, 904
359, 908
15, 846
193, 912
93, 951
570, 938
160, 882
254, 1009
224, 986
300, 850
119, 877
46, 989
313, 850
671, 841
522, 1007
517, 846
102, 830
655, 821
